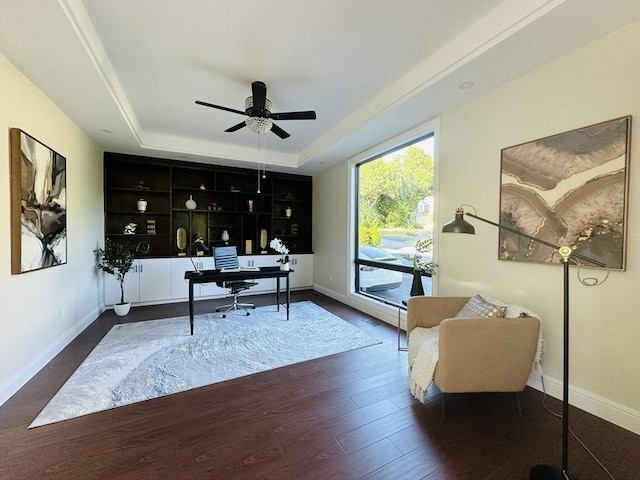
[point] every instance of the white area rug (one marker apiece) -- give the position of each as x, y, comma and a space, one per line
143, 360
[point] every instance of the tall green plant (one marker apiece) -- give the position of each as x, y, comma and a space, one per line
117, 259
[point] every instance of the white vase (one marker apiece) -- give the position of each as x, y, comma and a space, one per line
191, 203
225, 236
122, 309
287, 212
142, 205
284, 266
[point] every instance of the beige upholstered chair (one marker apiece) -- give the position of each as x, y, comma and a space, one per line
475, 354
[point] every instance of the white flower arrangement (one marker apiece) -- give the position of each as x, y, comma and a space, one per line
277, 245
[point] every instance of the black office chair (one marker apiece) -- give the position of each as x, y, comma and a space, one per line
227, 257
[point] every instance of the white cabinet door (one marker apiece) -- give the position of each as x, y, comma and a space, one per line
155, 279
302, 276
148, 280
209, 289
180, 286
264, 284
131, 286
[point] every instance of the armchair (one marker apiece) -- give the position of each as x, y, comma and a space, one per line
474, 354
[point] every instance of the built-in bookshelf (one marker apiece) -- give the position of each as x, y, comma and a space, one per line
205, 200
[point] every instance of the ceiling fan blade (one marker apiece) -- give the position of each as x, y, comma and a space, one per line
219, 107
278, 131
308, 115
259, 90
236, 127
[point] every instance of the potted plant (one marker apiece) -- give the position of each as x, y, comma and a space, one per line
117, 259
277, 245
421, 266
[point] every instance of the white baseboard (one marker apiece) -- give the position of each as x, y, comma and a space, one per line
385, 313
17, 381
601, 407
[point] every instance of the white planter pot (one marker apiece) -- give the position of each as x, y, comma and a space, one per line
284, 266
122, 309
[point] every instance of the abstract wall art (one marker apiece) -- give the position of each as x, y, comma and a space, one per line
568, 189
38, 205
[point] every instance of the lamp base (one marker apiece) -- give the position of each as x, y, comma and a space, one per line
548, 472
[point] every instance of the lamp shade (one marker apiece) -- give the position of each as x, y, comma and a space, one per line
458, 224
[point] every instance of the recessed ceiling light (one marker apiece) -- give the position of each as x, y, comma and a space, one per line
465, 85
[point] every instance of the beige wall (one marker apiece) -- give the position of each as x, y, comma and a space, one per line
595, 83
41, 311
330, 219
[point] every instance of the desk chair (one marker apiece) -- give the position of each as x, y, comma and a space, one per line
227, 257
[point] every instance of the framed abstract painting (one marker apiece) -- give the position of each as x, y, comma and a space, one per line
569, 189
38, 205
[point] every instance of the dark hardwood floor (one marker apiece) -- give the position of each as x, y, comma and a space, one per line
346, 416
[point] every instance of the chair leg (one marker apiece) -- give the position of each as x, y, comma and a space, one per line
235, 306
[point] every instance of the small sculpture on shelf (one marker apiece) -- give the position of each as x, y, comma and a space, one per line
181, 241
143, 248
264, 239
225, 237
287, 212
141, 186
191, 203
130, 228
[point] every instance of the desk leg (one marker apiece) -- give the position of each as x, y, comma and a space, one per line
191, 305
288, 295
278, 293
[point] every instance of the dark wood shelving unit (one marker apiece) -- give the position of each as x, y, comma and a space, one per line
226, 199
291, 211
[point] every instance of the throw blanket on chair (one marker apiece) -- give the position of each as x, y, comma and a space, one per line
425, 340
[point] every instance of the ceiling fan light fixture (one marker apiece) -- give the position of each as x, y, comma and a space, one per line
258, 124
257, 108
248, 103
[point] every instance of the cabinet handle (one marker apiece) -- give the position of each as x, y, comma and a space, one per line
140, 268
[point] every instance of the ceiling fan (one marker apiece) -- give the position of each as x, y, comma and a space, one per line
258, 110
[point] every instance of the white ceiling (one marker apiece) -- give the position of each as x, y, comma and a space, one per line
128, 72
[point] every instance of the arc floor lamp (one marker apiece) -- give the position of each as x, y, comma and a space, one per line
460, 225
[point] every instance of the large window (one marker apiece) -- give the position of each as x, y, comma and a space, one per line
394, 221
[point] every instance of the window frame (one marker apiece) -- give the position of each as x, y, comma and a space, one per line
419, 133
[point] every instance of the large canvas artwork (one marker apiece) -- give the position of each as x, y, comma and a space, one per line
568, 189
38, 205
